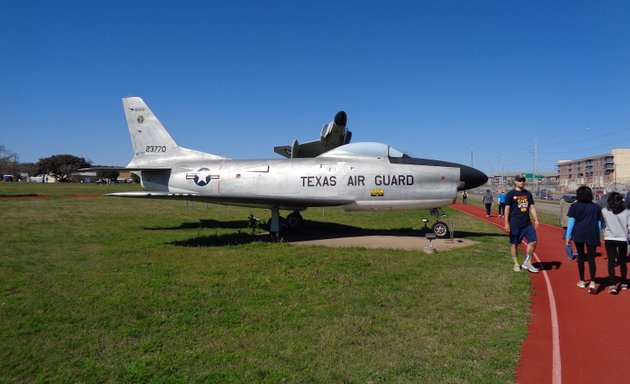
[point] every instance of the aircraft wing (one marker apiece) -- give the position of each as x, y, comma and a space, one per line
263, 201
332, 135
123, 169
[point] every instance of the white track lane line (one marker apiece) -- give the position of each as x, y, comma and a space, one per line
556, 361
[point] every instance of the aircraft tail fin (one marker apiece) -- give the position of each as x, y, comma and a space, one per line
150, 139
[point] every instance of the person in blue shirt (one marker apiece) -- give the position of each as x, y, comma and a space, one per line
519, 204
501, 200
585, 228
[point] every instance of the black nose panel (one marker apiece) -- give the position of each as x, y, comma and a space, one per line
471, 177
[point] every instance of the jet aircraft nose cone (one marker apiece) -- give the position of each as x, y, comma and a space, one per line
471, 177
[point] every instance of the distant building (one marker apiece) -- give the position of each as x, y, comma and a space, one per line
507, 178
535, 182
42, 179
83, 177
124, 177
607, 171
91, 177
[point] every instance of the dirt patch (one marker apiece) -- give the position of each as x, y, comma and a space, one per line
408, 243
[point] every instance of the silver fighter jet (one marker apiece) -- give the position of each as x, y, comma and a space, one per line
357, 176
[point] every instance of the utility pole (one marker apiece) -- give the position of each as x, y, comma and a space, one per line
502, 170
535, 155
536, 180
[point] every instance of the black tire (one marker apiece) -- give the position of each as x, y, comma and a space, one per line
294, 220
440, 229
283, 224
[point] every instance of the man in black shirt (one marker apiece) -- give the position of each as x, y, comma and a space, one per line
519, 203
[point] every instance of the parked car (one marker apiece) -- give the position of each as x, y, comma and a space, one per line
545, 194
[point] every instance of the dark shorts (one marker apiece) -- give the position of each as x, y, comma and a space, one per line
517, 234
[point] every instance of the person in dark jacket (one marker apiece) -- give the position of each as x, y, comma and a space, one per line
585, 227
487, 201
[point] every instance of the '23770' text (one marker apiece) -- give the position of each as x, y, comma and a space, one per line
155, 148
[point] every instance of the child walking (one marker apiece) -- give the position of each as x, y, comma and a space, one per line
585, 227
616, 234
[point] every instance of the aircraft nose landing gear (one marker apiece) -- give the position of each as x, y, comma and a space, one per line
440, 228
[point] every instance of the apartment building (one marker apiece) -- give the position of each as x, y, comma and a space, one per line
611, 170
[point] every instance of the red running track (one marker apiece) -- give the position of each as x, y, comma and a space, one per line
573, 337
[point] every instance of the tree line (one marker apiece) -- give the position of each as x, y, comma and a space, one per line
60, 166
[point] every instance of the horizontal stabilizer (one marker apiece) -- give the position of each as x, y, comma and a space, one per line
283, 150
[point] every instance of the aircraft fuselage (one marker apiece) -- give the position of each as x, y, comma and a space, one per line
371, 183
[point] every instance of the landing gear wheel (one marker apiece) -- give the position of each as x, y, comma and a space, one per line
294, 220
440, 229
283, 224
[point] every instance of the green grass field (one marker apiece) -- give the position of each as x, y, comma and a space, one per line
122, 290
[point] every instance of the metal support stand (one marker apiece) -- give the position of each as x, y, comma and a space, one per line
451, 226
430, 236
274, 228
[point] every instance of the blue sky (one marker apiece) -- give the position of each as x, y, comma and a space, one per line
517, 84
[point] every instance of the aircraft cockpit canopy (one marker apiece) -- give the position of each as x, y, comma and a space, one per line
368, 149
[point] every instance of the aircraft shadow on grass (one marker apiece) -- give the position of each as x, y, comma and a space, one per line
204, 223
312, 230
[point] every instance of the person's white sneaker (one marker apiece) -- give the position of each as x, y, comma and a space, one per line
581, 284
613, 289
530, 267
592, 287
